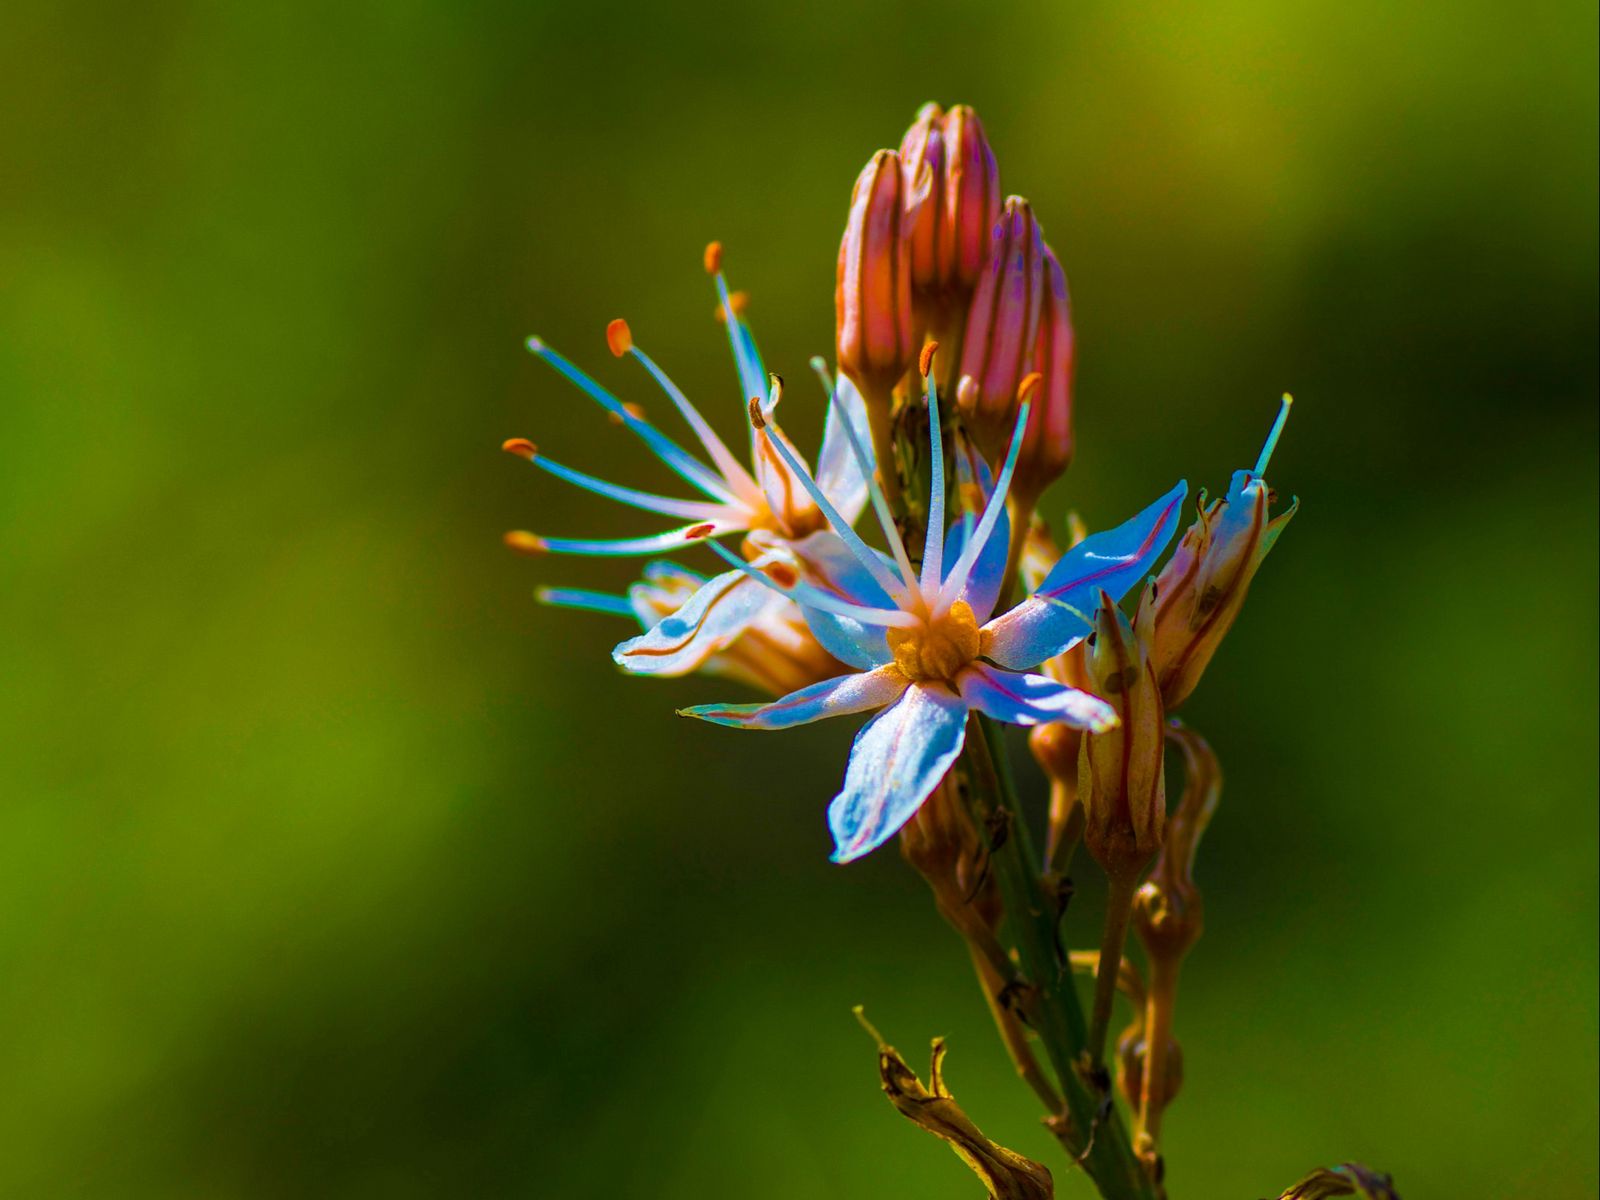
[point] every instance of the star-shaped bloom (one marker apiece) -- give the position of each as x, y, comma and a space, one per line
924, 647
767, 502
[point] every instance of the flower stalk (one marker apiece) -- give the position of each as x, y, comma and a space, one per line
1093, 1130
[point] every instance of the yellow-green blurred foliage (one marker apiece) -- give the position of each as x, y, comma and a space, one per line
332, 866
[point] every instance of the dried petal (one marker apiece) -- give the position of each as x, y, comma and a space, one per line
1007, 1174
1347, 1179
1120, 780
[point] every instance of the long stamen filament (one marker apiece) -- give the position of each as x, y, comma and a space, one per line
933, 547
600, 602
732, 469
880, 506
1277, 432
668, 451
689, 510
957, 581
859, 548
803, 593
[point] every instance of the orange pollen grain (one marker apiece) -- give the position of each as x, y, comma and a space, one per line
636, 411
713, 257
521, 447
619, 337
925, 362
524, 542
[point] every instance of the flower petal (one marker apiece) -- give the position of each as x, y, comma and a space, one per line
850, 641
983, 581
831, 698
829, 564
1045, 624
838, 473
897, 760
717, 613
1021, 699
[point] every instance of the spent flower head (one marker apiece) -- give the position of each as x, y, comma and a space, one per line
1187, 610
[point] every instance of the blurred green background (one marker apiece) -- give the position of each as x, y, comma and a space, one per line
330, 865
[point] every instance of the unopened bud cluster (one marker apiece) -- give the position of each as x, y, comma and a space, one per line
930, 251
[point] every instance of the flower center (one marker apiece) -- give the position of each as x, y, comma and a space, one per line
939, 649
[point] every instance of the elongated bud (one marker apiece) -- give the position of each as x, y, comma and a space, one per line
1047, 448
1189, 607
873, 299
949, 241
1120, 782
971, 197
923, 159
1002, 329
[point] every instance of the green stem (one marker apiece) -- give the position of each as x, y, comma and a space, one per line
1119, 907
1050, 1004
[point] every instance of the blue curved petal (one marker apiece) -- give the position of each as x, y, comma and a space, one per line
835, 697
831, 565
1021, 699
850, 641
897, 760
722, 609
1050, 620
983, 583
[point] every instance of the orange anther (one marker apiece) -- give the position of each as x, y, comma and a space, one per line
521, 447
925, 361
713, 258
524, 542
619, 337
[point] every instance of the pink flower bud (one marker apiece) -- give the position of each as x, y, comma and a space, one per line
949, 154
971, 196
873, 299
923, 158
1002, 328
1047, 448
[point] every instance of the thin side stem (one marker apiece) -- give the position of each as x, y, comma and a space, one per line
1119, 907
1159, 1003
1049, 1002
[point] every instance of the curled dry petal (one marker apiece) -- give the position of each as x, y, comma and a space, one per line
1347, 1179
1007, 1174
1047, 450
